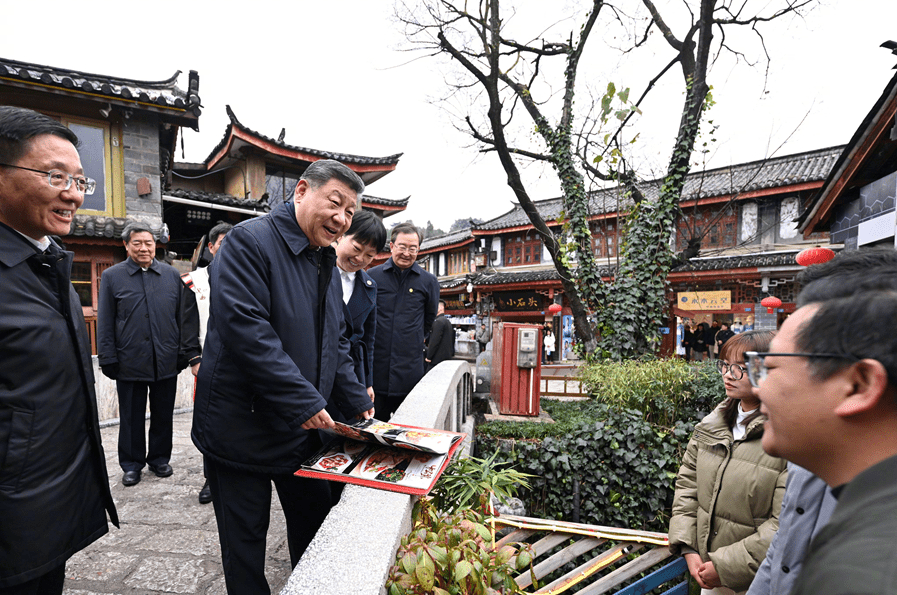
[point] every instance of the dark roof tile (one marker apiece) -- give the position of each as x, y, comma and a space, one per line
164, 93
811, 166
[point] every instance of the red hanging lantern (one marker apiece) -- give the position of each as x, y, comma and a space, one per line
771, 303
554, 308
816, 255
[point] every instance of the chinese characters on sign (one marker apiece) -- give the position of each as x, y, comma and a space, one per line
454, 305
704, 300
518, 301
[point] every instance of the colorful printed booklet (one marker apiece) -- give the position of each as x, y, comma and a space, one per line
385, 456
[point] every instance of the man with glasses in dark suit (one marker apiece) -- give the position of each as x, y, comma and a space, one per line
54, 491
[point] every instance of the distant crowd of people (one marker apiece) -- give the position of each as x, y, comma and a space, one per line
705, 341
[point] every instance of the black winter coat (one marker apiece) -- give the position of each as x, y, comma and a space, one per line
406, 309
442, 341
274, 351
146, 317
54, 491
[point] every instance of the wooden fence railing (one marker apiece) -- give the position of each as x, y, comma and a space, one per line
605, 558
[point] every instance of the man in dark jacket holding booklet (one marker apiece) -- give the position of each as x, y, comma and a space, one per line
275, 350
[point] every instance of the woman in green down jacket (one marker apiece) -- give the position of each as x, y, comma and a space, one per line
728, 491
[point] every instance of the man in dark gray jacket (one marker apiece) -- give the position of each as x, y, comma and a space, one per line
54, 492
829, 389
147, 332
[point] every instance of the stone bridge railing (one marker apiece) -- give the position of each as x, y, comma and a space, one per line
354, 549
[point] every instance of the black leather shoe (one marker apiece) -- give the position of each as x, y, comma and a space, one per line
163, 470
205, 494
130, 478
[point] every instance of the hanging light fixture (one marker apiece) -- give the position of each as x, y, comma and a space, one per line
816, 255
771, 303
554, 308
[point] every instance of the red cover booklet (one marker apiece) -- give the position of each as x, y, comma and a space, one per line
384, 456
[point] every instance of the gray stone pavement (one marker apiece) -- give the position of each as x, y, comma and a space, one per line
168, 542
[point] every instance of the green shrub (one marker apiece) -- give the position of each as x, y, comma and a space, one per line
620, 452
664, 391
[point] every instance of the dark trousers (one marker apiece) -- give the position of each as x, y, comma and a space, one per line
242, 501
47, 584
385, 406
132, 453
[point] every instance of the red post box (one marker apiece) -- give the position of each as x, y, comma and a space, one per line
517, 368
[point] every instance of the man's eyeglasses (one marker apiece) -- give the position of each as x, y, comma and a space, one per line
756, 363
737, 372
61, 180
409, 249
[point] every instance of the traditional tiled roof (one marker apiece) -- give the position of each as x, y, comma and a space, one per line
218, 198
776, 172
158, 96
390, 203
746, 261
717, 263
373, 167
453, 283
455, 237
92, 226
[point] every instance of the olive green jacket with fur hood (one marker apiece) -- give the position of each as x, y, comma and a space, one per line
728, 497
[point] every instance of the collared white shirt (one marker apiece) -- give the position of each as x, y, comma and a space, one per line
348, 280
41, 244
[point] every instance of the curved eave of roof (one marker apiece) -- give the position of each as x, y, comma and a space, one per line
799, 171
218, 198
450, 240
876, 121
369, 168
746, 261
158, 96
93, 226
456, 283
384, 204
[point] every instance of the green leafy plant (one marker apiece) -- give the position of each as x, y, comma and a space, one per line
454, 554
664, 391
466, 479
613, 459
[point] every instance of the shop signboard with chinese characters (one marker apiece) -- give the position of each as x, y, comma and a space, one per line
704, 300
518, 301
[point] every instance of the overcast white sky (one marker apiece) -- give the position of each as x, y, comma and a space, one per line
331, 74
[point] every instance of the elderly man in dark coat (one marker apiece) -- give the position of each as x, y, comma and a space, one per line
275, 349
147, 332
54, 492
407, 299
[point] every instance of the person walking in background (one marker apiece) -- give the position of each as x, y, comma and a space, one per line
728, 490
723, 335
688, 338
147, 332
198, 282
441, 345
484, 335
55, 491
699, 344
407, 300
548, 345
710, 338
